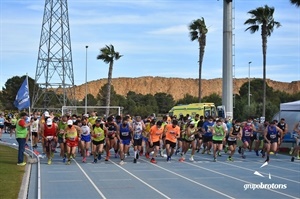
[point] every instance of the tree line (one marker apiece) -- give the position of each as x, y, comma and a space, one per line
160, 103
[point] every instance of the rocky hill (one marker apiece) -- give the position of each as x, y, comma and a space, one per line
177, 87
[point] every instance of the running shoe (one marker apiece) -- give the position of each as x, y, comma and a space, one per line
243, 156
95, 160
68, 162
99, 156
226, 149
268, 159
292, 159
153, 161
191, 159
203, 151
208, 152
219, 153
230, 159
291, 151
21, 164
298, 157
107, 158
64, 160
49, 161
122, 162
134, 160
84, 159
181, 159
176, 152
215, 159
240, 150
87, 153
141, 153
168, 158
147, 155
256, 152
137, 156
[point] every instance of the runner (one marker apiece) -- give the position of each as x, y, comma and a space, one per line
271, 134
172, 132
296, 150
189, 141
155, 136
207, 136
219, 133
2, 121
85, 138
284, 127
111, 139
124, 135
62, 125
234, 135
48, 132
13, 125
99, 132
138, 129
34, 129
248, 128
71, 137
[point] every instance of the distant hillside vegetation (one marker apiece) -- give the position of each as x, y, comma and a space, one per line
177, 87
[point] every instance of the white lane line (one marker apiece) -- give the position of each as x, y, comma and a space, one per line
105, 171
232, 165
100, 193
202, 185
105, 180
64, 181
281, 168
247, 182
162, 179
145, 183
61, 171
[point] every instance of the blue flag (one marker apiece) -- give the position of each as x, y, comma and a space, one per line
22, 100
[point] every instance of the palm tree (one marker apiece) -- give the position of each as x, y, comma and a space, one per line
198, 32
108, 55
262, 17
295, 2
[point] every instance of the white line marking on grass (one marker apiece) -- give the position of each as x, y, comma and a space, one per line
247, 182
140, 180
100, 193
202, 185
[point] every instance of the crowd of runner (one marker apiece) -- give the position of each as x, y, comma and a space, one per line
95, 138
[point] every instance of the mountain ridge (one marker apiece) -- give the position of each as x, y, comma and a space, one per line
175, 86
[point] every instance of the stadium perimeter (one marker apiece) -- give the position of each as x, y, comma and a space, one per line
202, 178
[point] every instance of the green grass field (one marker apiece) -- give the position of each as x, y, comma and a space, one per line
10, 174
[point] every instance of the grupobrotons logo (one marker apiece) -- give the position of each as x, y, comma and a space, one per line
262, 185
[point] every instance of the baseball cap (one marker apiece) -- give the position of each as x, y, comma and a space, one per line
70, 122
49, 121
47, 114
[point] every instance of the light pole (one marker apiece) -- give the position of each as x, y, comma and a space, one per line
86, 47
249, 84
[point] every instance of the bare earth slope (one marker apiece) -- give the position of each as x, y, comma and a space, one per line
177, 87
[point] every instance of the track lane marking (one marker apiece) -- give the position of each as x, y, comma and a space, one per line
145, 183
202, 185
91, 181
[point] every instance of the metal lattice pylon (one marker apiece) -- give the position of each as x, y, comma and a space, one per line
54, 76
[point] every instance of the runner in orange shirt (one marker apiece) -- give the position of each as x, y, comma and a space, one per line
172, 132
156, 133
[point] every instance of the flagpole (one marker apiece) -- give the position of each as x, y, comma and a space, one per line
29, 113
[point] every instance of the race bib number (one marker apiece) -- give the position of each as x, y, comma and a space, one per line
125, 133
273, 136
49, 137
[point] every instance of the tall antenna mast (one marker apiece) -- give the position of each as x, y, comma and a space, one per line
54, 78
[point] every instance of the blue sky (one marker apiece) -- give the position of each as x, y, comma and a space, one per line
153, 37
